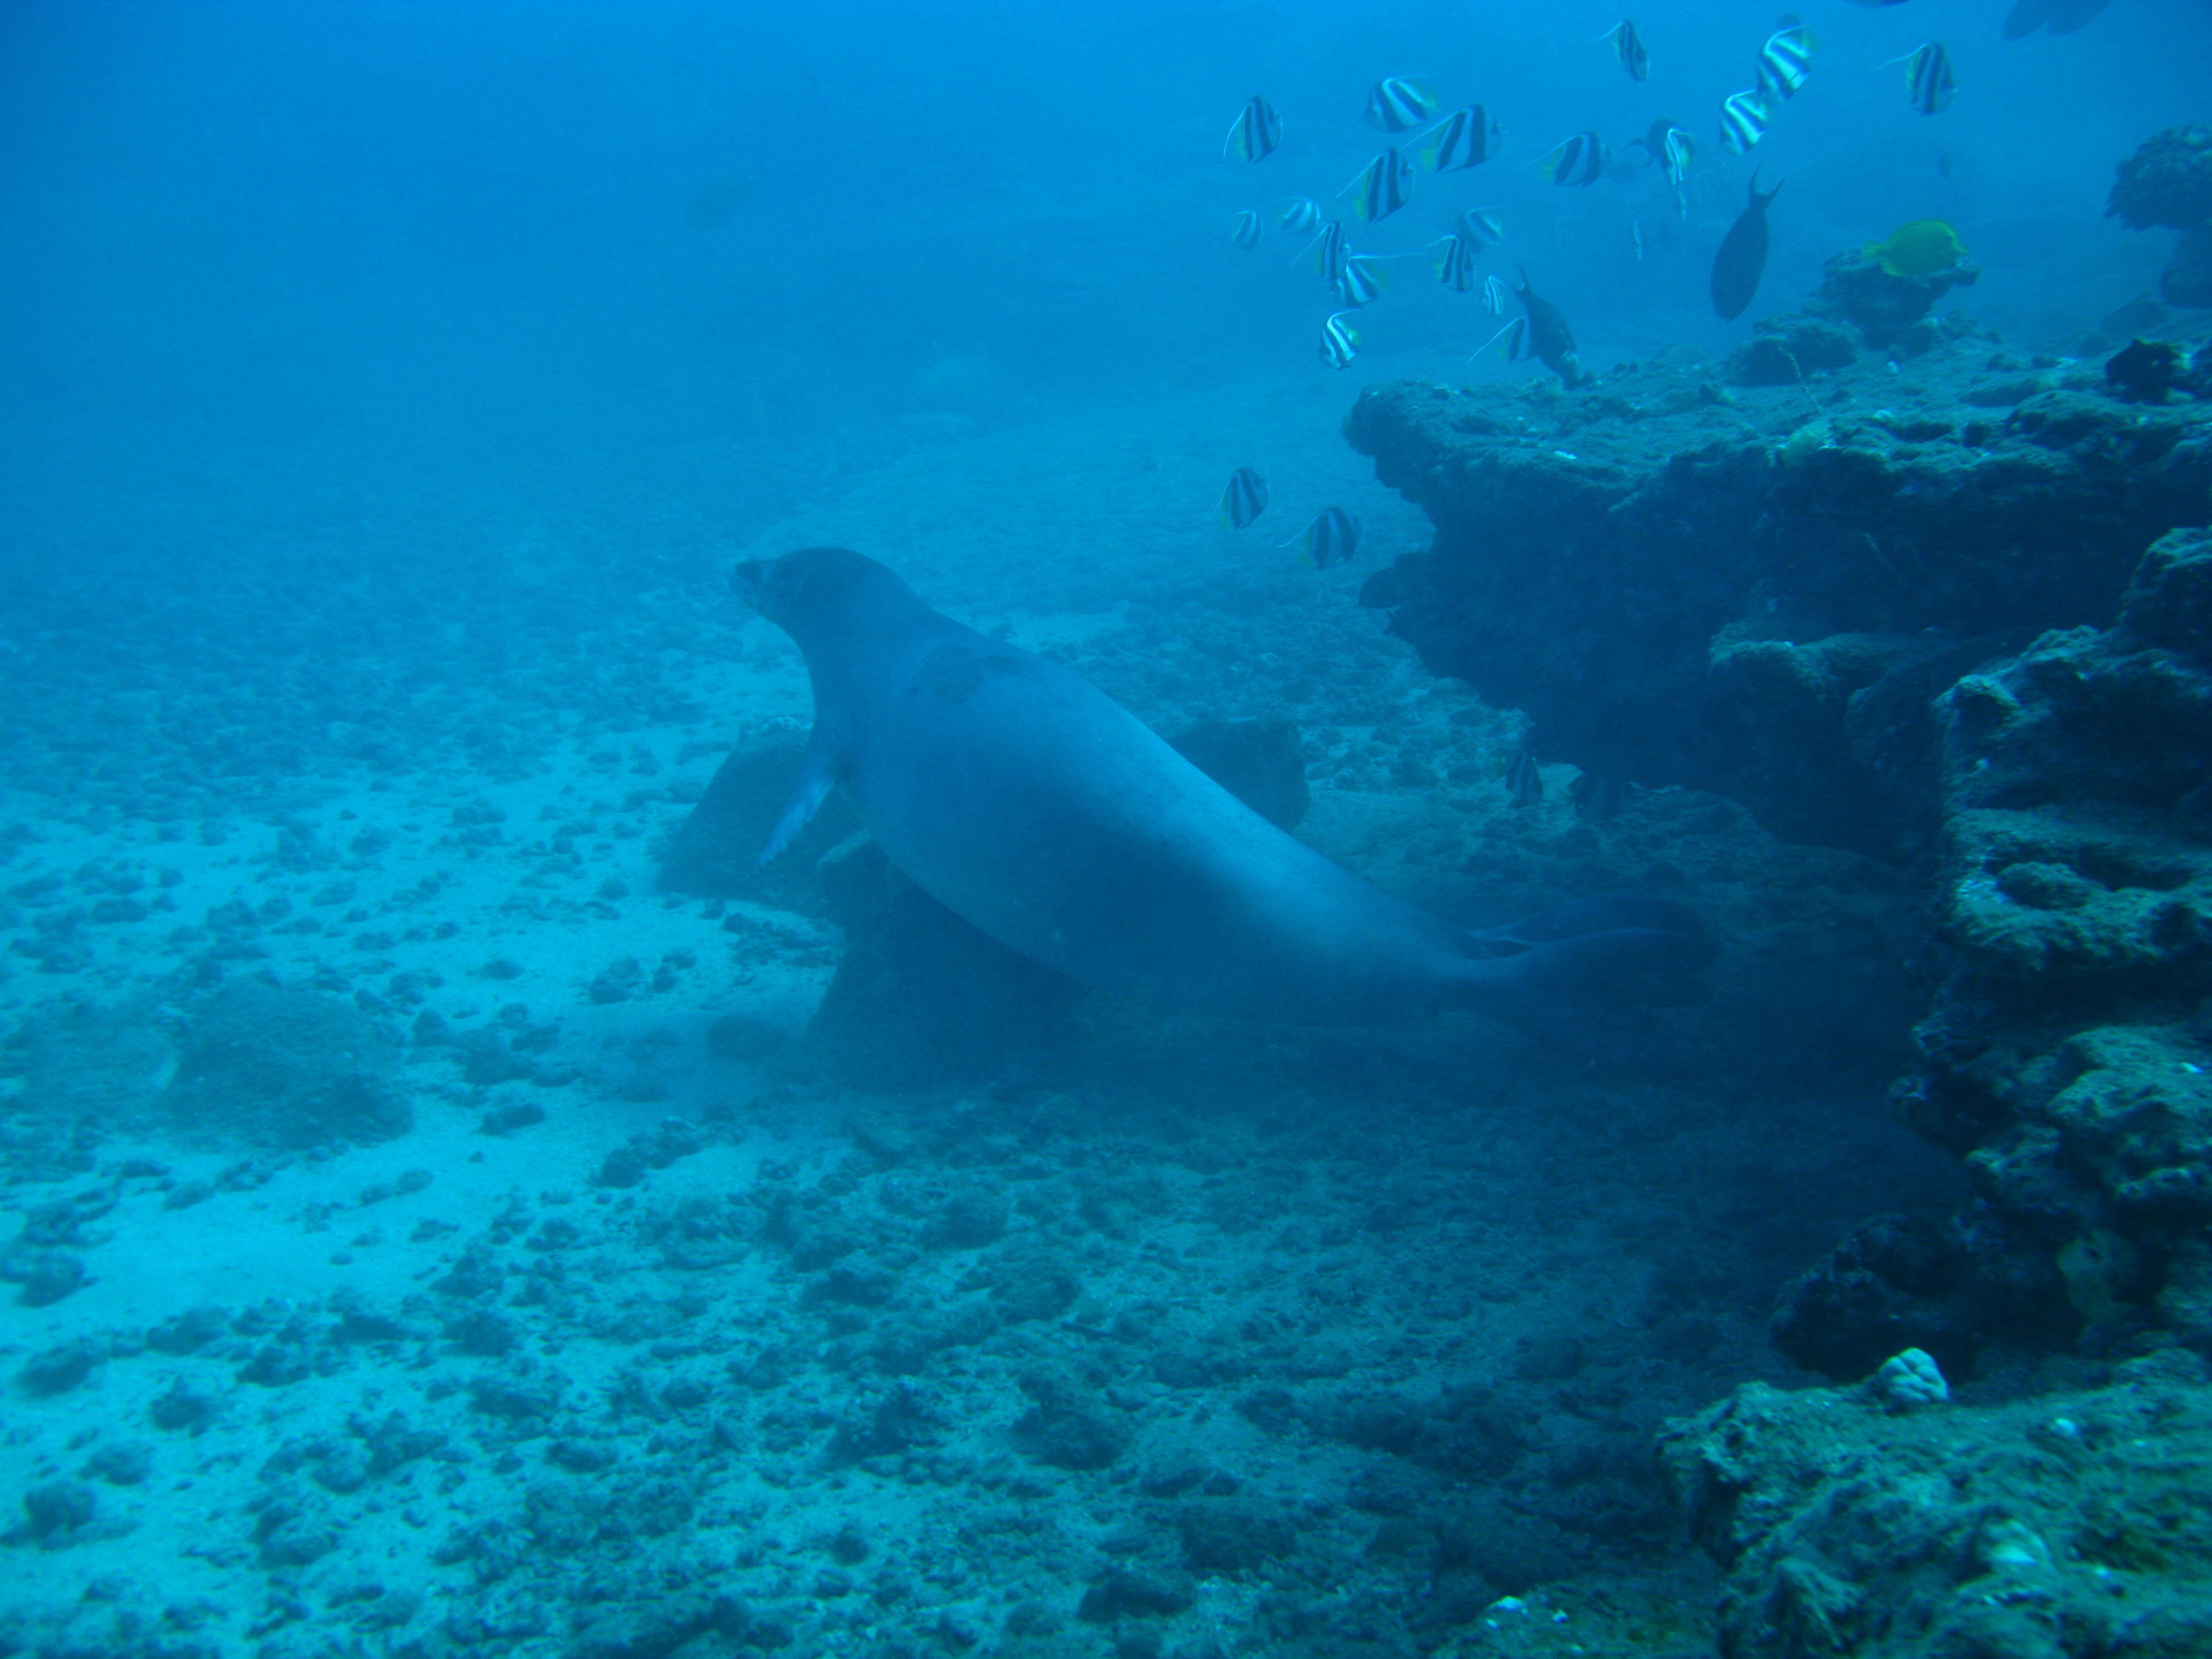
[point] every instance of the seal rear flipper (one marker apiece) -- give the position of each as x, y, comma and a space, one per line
817, 777
1626, 949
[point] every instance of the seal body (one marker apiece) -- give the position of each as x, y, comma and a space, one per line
1045, 814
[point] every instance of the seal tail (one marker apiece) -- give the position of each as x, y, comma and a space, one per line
1622, 950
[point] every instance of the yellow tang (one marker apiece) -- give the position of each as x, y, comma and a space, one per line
1919, 249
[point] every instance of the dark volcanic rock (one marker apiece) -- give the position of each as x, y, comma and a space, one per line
2061, 1526
2187, 278
711, 852
2067, 1054
2168, 181
1742, 592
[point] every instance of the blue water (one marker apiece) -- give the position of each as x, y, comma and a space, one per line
379, 405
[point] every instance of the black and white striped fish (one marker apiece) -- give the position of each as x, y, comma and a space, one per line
1455, 267
1628, 46
1329, 252
1479, 227
1523, 780
1783, 61
1510, 341
1298, 214
1245, 499
1397, 104
1466, 138
1339, 343
1744, 116
1384, 185
1244, 228
1362, 280
1494, 293
1331, 539
1928, 79
1580, 160
1256, 130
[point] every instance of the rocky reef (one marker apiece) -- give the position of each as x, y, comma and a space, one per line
2168, 182
1758, 588
1881, 1520
1900, 590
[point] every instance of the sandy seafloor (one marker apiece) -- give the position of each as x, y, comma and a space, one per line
1215, 1339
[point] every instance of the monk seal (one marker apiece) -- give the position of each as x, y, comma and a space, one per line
1036, 807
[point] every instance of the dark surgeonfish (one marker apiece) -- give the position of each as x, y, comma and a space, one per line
1628, 46
2059, 16
1245, 499
1742, 257
1551, 342
1255, 131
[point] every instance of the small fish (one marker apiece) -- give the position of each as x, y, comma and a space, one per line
1677, 149
1468, 138
1329, 252
1299, 215
1511, 340
1580, 160
1480, 229
1923, 247
1523, 780
1742, 259
1636, 236
1744, 116
1929, 81
1783, 61
1384, 185
1340, 345
1549, 340
1628, 46
1363, 279
1331, 539
1455, 268
1397, 104
1245, 499
1256, 130
1493, 296
1244, 228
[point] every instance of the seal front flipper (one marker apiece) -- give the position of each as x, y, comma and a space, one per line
817, 777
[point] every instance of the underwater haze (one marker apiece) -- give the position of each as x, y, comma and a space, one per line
1702, 514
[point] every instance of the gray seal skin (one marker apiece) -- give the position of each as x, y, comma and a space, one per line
1031, 804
